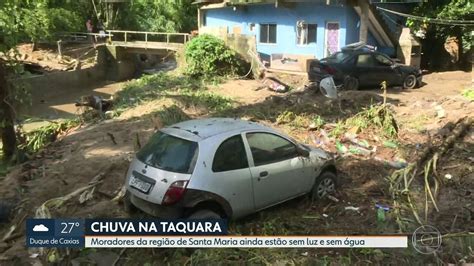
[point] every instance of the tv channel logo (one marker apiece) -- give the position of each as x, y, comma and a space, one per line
426, 239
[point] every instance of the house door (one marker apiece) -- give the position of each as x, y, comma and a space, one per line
332, 38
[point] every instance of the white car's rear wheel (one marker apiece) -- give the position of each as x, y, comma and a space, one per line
128, 206
325, 185
204, 214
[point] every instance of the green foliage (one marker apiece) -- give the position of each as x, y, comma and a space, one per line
158, 15
469, 94
210, 101
300, 121
37, 20
39, 138
338, 129
208, 56
377, 117
318, 121
151, 87
184, 89
444, 9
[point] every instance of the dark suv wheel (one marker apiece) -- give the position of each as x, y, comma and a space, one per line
351, 83
409, 82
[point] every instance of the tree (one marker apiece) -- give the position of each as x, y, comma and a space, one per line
9, 29
35, 20
31, 20
159, 15
437, 33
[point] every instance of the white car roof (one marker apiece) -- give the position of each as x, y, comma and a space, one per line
208, 127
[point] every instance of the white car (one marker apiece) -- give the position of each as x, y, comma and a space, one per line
223, 168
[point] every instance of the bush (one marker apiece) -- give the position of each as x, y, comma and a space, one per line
208, 56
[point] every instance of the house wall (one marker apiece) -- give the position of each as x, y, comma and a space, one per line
286, 19
353, 26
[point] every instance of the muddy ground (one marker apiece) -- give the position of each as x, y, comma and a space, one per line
72, 163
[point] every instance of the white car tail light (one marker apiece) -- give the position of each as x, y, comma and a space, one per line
174, 193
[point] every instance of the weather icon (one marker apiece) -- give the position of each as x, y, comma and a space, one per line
40, 228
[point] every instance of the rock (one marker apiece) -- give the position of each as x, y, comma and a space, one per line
440, 112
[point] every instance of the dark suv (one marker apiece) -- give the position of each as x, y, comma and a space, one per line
363, 67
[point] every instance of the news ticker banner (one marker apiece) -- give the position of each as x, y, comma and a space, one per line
128, 233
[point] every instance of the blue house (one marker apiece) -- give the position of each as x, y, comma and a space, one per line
298, 29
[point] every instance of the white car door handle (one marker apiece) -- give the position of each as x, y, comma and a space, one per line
262, 175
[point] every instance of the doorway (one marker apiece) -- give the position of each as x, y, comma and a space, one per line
331, 44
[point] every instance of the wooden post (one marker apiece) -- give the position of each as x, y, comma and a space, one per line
125, 37
60, 50
167, 38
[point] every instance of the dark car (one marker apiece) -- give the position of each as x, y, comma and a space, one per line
363, 68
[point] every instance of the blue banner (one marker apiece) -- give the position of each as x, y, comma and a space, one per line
71, 232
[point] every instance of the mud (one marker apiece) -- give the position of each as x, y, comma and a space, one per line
74, 160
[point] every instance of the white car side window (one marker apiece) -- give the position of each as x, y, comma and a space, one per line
269, 148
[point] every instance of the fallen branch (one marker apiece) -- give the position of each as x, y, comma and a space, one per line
43, 211
400, 184
119, 195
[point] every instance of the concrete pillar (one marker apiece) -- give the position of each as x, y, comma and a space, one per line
364, 20
199, 18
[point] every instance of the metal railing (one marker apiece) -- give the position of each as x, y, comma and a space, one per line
168, 37
140, 39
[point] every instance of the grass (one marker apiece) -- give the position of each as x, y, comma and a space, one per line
417, 122
202, 99
300, 121
35, 140
190, 92
377, 117
468, 94
152, 87
339, 129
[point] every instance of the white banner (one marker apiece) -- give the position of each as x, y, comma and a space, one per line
246, 241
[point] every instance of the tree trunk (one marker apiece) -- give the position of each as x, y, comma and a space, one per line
7, 129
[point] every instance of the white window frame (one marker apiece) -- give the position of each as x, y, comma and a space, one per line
298, 36
268, 33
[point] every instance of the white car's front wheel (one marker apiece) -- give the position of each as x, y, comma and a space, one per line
325, 185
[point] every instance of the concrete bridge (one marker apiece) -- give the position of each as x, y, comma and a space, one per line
134, 41
124, 52
143, 40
